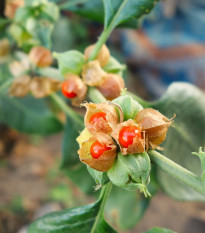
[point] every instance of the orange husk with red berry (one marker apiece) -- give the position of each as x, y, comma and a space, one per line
103, 161
74, 88
102, 57
111, 116
93, 74
112, 86
136, 144
155, 125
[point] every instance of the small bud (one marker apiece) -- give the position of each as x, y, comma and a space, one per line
155, 126
40, 56
11, 7
20, 86
97, 152
102, 117
74, 88
4, 47
103, 55
112, 85
129, 137
42, 86
93, 74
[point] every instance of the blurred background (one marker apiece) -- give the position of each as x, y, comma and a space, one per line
168, 46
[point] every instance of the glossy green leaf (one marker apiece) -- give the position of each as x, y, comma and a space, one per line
84, 219
159, 230
70, 145
187, 135
119, 11
131, 172
125, 208
70, 62
92, 9
28, 115
129, 106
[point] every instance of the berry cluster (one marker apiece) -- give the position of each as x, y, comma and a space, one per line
106, 133
93, 74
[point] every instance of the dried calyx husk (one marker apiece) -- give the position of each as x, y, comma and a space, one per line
40, 56
112, 117
20, 86
43, 86
77, 86
112, 86
4, 47
131, 172
93, 74
11, 7
155, 125
105, 161
138, 144
102, 57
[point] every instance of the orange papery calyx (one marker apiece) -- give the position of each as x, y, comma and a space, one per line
155, 125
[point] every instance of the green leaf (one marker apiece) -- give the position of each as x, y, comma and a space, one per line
100, 178
131, 171
84, 219
70, 62
129, 106
28, 115
159, 230
187, 135
119, 11
92, 10
128, 207
114, 66
70, 145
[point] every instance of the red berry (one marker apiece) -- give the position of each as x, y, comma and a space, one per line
67, 89
96, 116
97, 149
127, 134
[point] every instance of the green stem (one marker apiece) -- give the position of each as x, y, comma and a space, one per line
95, 95
104, 194
6, 85
66, 109
51, 72
177, 171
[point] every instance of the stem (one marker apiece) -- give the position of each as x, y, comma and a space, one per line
177, 171
4, 86
95, 95
104, 194
51, 72
66, 109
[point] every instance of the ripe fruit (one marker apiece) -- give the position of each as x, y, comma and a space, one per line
127, 134
97, 149
67, 89
96, 116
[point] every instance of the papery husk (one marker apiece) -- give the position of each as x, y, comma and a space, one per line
40, 56
18, 68
77, 86
11, 7
93, 74
20, 86
138, 145
155, 126
104, 126
106, 160
4, 47
112, 86
43, 86
103, 55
